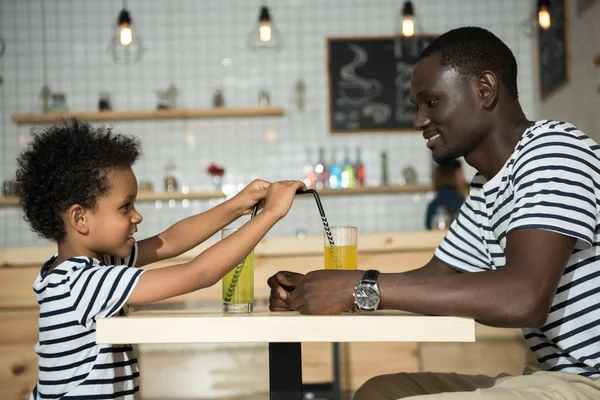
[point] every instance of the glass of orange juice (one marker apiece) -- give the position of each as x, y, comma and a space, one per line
344, 253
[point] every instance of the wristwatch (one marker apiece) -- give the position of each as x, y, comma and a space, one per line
366, 294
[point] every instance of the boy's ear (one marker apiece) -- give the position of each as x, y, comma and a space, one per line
77, 218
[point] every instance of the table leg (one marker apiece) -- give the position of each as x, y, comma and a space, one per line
285, 371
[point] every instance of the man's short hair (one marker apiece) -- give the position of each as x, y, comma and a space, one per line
473, 50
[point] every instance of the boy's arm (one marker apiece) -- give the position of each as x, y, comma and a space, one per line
188, 233
212, 264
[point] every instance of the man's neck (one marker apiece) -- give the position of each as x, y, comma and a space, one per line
499, 144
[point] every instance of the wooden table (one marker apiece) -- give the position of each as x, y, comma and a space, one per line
283, 331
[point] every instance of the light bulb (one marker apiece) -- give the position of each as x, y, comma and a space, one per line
264, 31
544, 18
123, 46
408, 26
125, 35
265, 35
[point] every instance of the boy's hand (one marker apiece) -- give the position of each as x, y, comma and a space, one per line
255, 192
280, 196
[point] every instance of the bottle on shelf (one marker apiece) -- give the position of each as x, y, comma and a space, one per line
321, 170
384, 170
359, 168
171, 184
348, 172
335, 172
441, 220
309, 176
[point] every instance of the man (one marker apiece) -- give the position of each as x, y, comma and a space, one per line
529, 228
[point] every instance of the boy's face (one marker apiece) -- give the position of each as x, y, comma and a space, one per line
113, 222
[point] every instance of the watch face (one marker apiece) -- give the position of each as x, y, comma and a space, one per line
367, 297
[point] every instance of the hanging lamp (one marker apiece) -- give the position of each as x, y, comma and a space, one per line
2, 42
125, 45
544, 14
407, 23
265, 36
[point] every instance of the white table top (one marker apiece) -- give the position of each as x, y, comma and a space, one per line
265, 326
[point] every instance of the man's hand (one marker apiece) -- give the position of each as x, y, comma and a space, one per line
282, 284
325, 292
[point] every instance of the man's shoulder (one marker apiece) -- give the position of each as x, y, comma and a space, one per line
551, 131
555, 141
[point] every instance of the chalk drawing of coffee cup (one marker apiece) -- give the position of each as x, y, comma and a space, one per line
354, 90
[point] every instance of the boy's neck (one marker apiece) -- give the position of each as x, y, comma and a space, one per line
68, 250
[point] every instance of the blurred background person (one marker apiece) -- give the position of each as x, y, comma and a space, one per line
451, 190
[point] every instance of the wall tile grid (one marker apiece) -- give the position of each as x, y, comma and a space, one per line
201, 45
578, 100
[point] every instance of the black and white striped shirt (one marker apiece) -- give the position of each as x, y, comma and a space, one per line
71, 298
551, 182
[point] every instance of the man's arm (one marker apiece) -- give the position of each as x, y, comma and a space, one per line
518, 295
187, 233
434, 267
331, 291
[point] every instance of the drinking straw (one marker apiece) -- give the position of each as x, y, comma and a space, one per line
240, 266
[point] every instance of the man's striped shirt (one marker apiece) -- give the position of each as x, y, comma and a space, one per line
71, 298
551, 182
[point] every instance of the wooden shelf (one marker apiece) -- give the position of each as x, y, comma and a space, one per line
149, 115
388, 189
151, 196
9, 201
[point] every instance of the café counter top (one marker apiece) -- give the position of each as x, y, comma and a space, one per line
394, 242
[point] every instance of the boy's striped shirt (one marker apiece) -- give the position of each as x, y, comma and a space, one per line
71, 298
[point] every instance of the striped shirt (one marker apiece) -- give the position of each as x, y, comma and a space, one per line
551, 182
71, 298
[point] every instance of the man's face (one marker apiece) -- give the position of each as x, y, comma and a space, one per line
449, 113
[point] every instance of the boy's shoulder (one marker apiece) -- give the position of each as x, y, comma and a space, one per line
53, 277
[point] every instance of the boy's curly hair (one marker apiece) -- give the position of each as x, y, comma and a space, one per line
67, 164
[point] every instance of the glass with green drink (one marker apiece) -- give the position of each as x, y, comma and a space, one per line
238, 284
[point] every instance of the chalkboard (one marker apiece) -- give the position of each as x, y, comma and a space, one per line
369, 82
553, 47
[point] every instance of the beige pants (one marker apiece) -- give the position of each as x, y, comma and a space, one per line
532, 385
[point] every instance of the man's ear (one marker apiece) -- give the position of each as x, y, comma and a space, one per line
77, 218
488, 89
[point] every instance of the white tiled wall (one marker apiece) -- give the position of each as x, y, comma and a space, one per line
200, 45
578, 101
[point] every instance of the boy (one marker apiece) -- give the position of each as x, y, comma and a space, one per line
77, 188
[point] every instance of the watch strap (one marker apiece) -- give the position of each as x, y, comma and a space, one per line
370, 276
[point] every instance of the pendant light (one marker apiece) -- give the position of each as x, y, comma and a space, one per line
264, 35
125, 45
407, 23
2, 42
544, 14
